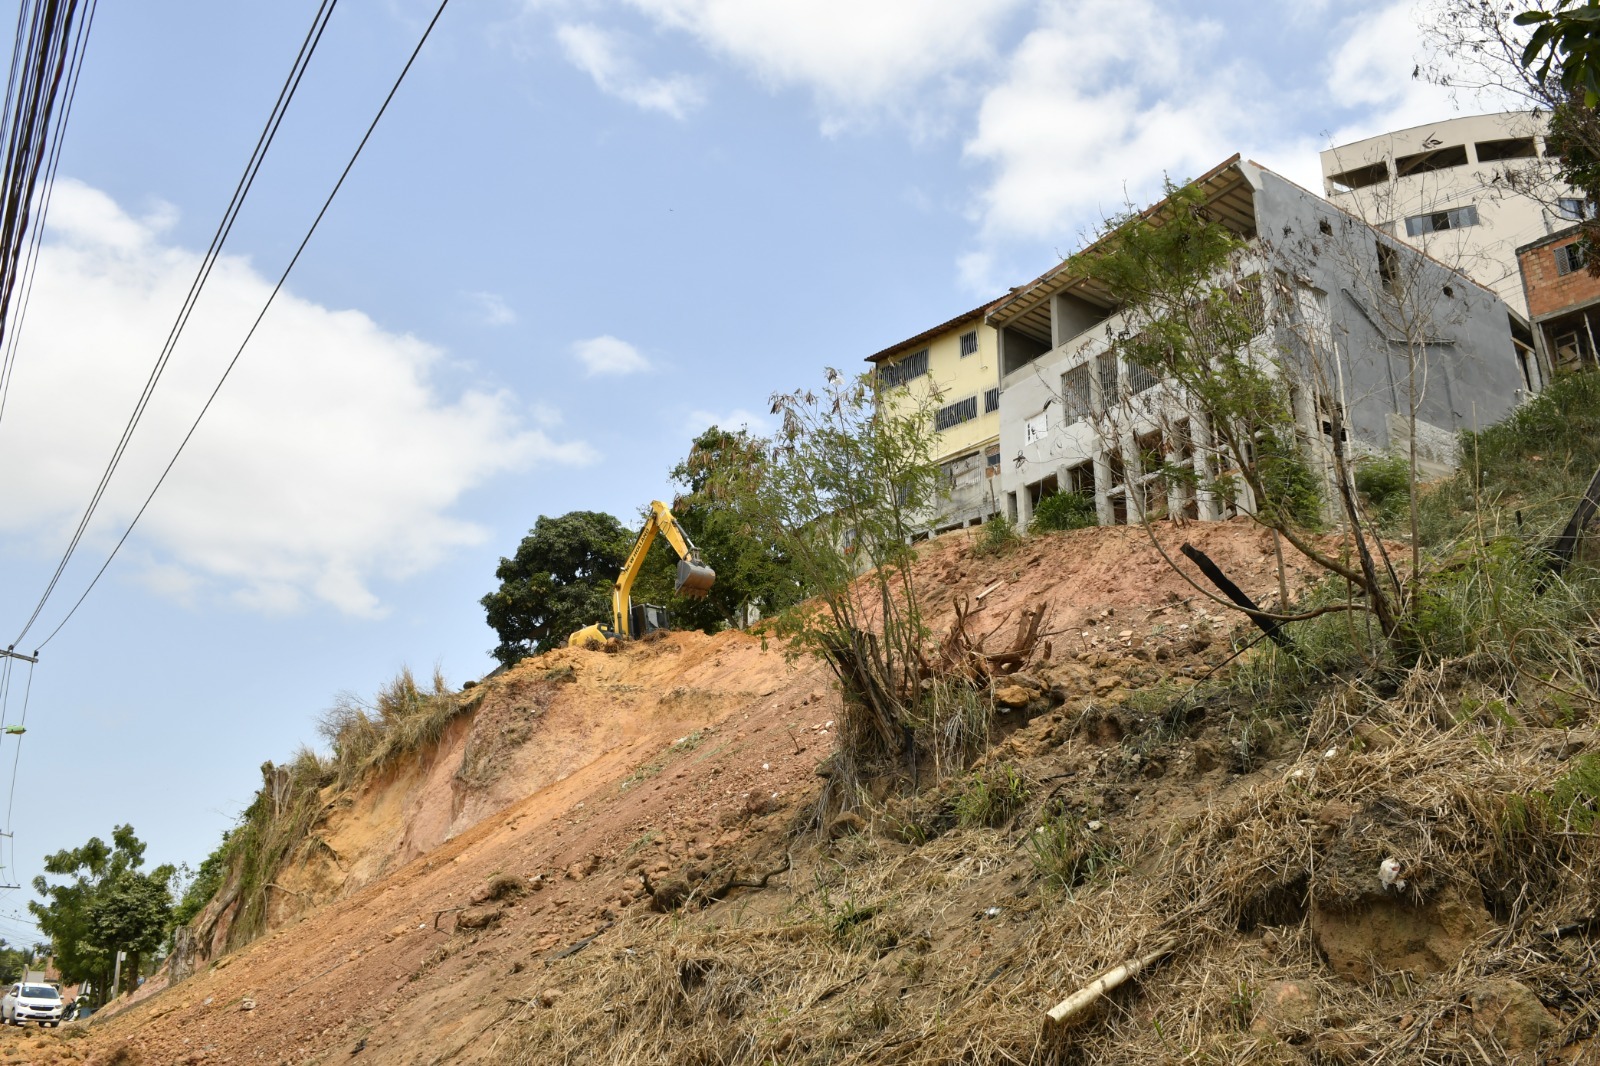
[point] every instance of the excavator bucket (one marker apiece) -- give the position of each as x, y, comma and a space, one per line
694, 579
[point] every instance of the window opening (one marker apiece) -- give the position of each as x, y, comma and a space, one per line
1107, 368
1570, 258
991, 401
1574, 208
903, 370
1361, 177
1433, 159
1434, 222
1508, 148
956, 413
969, 343
1076, 402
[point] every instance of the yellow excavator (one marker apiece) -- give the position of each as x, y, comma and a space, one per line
630, 620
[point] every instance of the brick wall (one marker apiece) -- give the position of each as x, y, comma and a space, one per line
1549, 291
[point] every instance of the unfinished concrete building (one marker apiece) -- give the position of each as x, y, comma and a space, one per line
1075, 417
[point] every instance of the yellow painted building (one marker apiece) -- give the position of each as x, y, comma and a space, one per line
960, 359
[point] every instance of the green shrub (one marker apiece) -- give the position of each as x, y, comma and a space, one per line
998, 537
1384, 481
1065, 510
1524, 473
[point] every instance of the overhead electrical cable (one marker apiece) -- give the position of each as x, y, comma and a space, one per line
17, 758
39, 62
269, 132
282, 279
11, 328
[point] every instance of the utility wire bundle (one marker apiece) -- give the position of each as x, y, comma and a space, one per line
46, 59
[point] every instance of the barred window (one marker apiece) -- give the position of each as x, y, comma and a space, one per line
903, 370
956, 413
1075, 402
969, 343
991, 401
1140, 379
1107, 366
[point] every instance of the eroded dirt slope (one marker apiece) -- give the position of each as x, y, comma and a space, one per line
468, 882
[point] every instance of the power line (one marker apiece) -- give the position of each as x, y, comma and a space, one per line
282, 278
22, 724
269, 132
38, 63
13, 332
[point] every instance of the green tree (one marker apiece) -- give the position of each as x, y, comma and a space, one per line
12, 962
1193, 307
108, 905
838, 492
1564, 47
559, 581
751, 572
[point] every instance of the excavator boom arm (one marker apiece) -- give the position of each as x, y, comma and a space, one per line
694, 577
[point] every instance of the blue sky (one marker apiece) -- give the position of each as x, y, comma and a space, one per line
585, 230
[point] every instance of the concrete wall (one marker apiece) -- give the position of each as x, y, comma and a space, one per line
1506, 219
1328, 263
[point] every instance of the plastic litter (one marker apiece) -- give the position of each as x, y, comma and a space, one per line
1389, 874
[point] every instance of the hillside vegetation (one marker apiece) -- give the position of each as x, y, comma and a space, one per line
1329, 852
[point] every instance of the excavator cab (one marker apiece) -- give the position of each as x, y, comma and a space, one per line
629, 619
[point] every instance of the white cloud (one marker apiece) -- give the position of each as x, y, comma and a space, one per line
698, 422
606, 356
1372, 71
1099, 100
492, 308
602, 55
331, 459
852, 54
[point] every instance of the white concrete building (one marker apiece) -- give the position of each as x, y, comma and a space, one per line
1467, 191
1077, 417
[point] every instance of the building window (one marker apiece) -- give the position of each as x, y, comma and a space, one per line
1510, 148
1570, 257
969, 343
1075, 401
1139, 379
1107, 367
1361, 177
1433, 159
1455, 218
1035, 428
991, 461
1574, 208
956, 413
1388, 267
991, 401
903, 370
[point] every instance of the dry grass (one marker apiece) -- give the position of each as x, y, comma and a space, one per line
885, 953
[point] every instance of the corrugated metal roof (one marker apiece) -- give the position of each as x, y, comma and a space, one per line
1227, 192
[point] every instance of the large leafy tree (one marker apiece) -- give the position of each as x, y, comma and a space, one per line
559, 580
108, 904
752, 571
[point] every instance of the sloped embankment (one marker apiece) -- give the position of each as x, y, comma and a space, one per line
1239, 837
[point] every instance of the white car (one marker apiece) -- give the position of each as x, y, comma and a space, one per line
31, 1003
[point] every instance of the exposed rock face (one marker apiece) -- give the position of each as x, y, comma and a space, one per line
1511, 1015
1286, 1009
1392, 934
